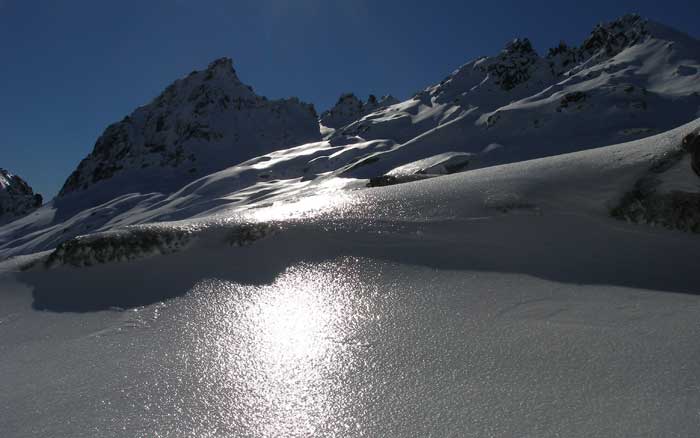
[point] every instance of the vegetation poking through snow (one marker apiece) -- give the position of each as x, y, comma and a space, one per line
119, 246
247, 233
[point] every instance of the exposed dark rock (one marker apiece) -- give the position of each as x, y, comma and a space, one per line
679, 210
349, 109
691, 143
514, 65
17, 198
390, 180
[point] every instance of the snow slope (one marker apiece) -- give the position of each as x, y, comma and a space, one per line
504, 301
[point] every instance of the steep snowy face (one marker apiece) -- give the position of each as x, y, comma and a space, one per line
16, 197
349, 108
202, 123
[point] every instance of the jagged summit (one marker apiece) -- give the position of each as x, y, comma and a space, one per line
204, 122
16, 197
349, 108
613, 37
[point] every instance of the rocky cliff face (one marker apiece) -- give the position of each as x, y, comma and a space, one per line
204, 122
16, 197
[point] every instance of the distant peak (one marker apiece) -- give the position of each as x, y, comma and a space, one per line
16, 197
350, 108
616, 35
519, 46
224, 63
346, 98
221, 68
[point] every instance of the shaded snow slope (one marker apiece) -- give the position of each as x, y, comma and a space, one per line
202, 123
16, 197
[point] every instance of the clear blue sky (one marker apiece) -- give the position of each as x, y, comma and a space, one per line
69, 68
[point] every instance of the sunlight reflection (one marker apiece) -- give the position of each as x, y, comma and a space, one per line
330, 198
270, 355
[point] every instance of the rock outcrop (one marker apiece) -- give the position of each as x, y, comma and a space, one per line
349, 108
16, 197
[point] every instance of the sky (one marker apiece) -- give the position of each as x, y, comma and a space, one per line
70, 68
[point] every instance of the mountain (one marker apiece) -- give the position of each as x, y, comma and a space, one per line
202, 123
16, 197
460, 294
630, 79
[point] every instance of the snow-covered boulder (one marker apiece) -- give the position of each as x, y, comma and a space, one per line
16, 197
202, 123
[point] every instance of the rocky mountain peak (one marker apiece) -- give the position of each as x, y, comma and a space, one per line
223, 65
201, 123
514, 65
609, 39
16, 197
519, 46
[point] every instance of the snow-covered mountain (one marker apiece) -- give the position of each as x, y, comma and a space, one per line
202, 123
282, 296
16, 197
629, 79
